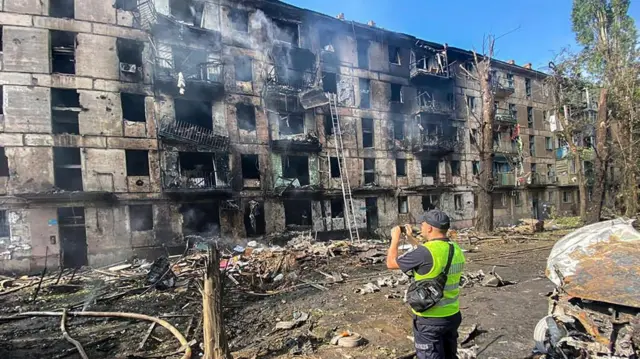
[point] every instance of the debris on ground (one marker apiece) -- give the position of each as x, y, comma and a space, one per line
298, 319
469, 279
368, 288
467, 333
347, 339
595, 309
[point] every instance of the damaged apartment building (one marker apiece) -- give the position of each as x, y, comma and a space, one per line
127, 126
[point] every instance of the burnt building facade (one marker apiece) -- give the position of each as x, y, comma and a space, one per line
127, 126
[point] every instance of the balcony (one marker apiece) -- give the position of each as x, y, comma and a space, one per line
199, 136
504, 179
505, 117
306, 143
200, 80
539, 180
505, 147
425, 103
502, 88
436, 145
428, 64
194, 180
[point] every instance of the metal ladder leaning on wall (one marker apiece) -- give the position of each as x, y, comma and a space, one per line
349, 208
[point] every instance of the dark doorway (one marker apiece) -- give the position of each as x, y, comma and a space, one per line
73, 237
372, 213
254, 221
535, 206
200, 218
297, 213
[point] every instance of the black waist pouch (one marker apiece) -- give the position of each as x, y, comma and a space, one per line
424, 294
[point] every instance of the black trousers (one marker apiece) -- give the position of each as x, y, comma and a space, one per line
436, 338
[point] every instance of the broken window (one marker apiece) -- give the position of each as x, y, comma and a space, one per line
329, 82
126, 5
239, 20
137, 162
473, 136
67, 168
517, 198
286, 31
396, 93
328, 125
246, 117
363, 53
141, 217
326, 41
198, 113
4, 223
457, 202
296, 167
365, 92
550, 171
429, 168
250, 166
198, 169
403, 204
513, 111
130, 55
398, 129
430, 202
567, 197
548, 143
200, 218
291, 124
63, 52
475, 167
527, 86
394, 55
532, 146
530, 117
297, 212
367, 133
471, 103
4, 164
191, 63
65, 107
335, 167
61, 8
455, 168
337, 208
187, 11
369, 170
242, 66
133, 107
401, 167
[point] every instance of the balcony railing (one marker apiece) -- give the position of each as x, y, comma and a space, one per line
195, 179
426, 103
194, 134
505, 116
284, 80
208, 72
437, 144
504, 179
539, 179
505, 147
428, 63
502, 88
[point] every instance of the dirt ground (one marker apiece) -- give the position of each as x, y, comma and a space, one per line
505, 316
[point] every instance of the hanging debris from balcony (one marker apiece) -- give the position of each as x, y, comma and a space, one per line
181, 83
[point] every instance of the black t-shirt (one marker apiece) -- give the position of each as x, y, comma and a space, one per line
420, 260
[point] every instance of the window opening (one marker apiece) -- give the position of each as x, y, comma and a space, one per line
141, 217
250, 166
133, 107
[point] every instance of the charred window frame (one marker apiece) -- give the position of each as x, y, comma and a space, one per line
141, 217
62, 9
243, 68
239, 20
532, 145
364, 86
137, 162
133, 107
363, 53
65, 108
250, 166
367, 133
187, 11
63, 51
337, 208
291, 124
329, 82
67, 165
401, 167
130, 57
396, 93
403, 204
369, 170
328, 125
296, 167
335, 167
398, 129
394, 55
429, 168
527, 87
288, 32
530, 117
126, 5
430, 201
455, 168
458, 202
246, 117
198, 113
4, 163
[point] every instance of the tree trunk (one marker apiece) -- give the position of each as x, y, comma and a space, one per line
485, 201
628, 166
577, 163
214, 337
601, 159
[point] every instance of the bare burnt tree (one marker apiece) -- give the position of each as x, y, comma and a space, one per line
481, 73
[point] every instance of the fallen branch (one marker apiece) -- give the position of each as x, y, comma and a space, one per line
146, 336
70, 351
183, 342
66, 335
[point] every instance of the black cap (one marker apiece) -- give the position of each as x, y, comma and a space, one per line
436, 218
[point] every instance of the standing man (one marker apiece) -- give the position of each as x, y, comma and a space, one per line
435, 330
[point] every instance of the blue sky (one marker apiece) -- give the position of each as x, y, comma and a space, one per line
533, 32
